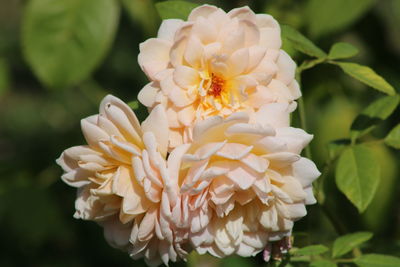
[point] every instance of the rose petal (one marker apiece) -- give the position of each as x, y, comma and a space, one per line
186, 77
154, 56
157, 123
204, 30
242, 13
147, 96
202, 11
287, 68
168, 28
306, 171
194, 52
238, 62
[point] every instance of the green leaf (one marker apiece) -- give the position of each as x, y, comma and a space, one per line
232, 261
377, 260
65, 40
337, 146
342, 50
358, 175
311, 250
301, 43
375, 113
393, 138
346, 243
300, 258
381, 205
144, 13
366, 75
322, 263
175, 9
327, 16
308, 64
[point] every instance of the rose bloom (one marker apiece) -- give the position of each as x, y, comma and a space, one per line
244, 181
125, 182
215, 63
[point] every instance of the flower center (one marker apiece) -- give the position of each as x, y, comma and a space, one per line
217, 86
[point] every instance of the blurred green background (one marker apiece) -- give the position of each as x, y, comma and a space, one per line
39, 119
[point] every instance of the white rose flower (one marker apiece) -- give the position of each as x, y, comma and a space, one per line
125, 182
245, 182
215, 63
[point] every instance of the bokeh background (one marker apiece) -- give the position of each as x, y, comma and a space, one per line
38, 122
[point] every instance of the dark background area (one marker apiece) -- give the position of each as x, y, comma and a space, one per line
38, 123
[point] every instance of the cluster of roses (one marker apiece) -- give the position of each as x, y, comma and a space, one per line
215, 167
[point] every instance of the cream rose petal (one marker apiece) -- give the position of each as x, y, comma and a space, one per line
257, 170
221, 63
124, 183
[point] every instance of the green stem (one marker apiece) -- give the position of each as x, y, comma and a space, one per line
303, 124
336, 223
319, 184
302, 113
340, 229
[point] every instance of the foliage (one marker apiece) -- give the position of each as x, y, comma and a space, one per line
367, 76
79, 47
393, 138
345, 244
342, 50
65, 40
174, 9
326, 16
357, 175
